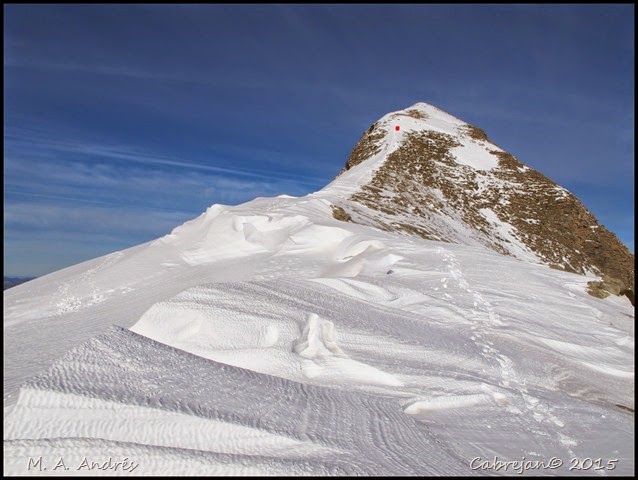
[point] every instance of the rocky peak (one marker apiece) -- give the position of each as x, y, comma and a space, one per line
440, 178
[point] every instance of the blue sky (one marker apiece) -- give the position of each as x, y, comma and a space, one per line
123, 121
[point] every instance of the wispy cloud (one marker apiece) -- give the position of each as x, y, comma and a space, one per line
127, 71
106, 184
38, 145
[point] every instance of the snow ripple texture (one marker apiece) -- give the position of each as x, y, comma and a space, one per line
354, 433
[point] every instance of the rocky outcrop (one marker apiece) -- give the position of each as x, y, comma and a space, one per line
609, 286
366, 147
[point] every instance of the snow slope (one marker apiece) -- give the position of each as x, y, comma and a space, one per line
270, 338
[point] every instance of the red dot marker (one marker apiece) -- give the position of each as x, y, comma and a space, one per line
397, 128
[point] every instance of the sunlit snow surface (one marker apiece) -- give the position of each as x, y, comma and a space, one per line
269, 338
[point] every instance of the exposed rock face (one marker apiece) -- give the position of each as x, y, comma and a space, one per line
443, 179
366, 147
340, 214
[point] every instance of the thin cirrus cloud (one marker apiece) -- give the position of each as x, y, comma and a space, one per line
131, 155
134, 183
107, 185
127, 71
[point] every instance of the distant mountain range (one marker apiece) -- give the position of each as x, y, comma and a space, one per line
13, 281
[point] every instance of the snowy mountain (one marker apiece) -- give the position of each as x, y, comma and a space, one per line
402, 320
443, 179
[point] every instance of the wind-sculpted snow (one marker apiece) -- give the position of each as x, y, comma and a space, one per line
354, 432
273, 338
479, 357
380, 334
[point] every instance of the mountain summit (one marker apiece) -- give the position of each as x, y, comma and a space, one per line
440, 178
